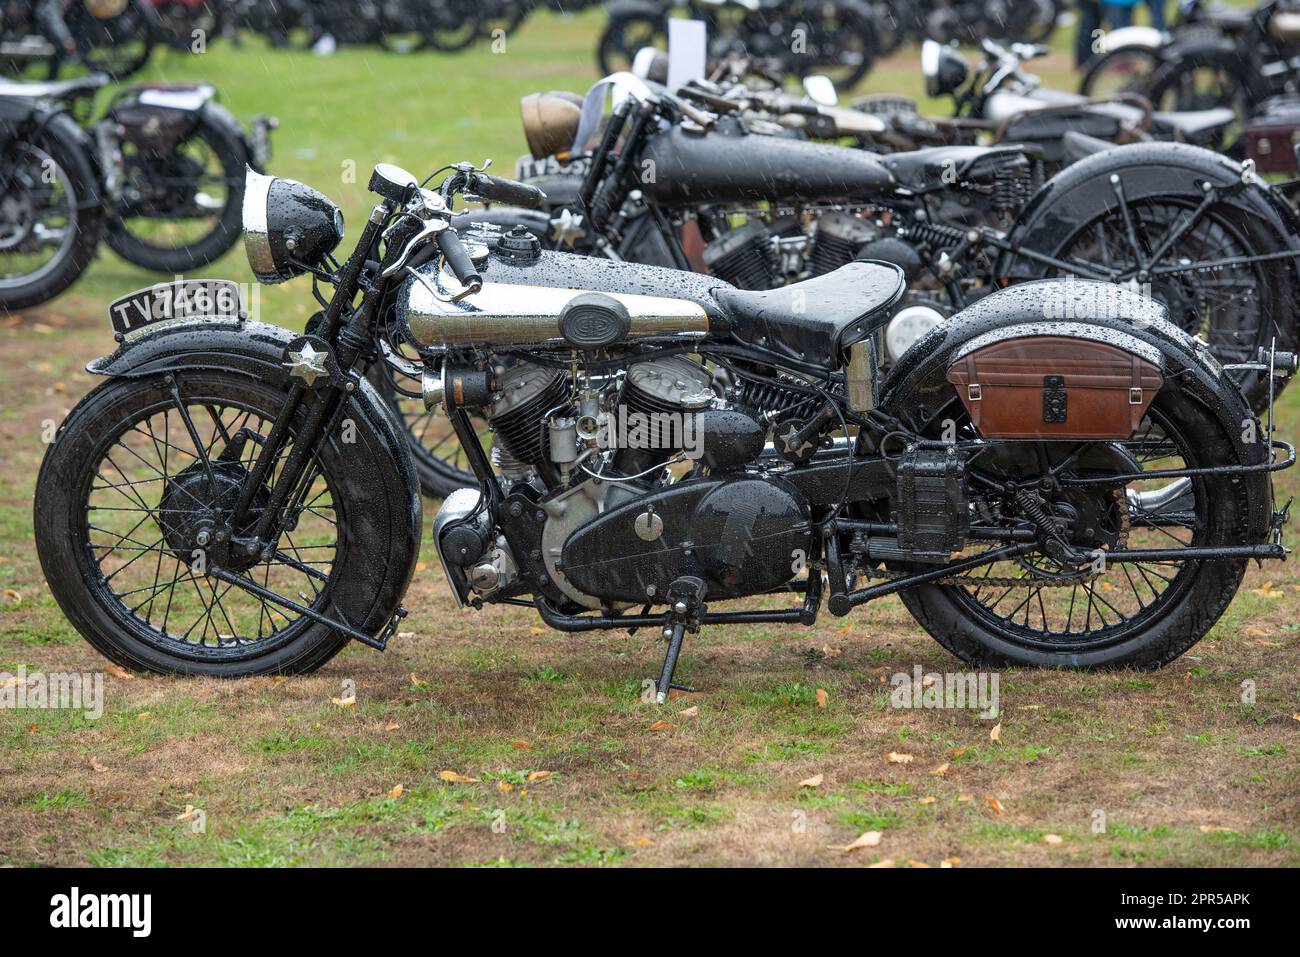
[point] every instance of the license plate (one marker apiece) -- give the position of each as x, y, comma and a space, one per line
183, 299
527, 168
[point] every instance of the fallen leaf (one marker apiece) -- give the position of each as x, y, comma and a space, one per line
143, 714
965, 796
887, 862
994, 804
690, 712
866, 839
11, 681
813, 782
417, 681
941, 770
643, 842
454, 777
396, 792
392, 726
13, 595
952, 861
344, 702
505, 786
95, 763
917, 864
119, 672
278, 679
996, 733
406, 634
536, 631
822, 697
896, 757
33, 727
537, 776
187, 814
956, 752
845, 628
659, 726
420, 566
1053, 839
1216, 828
521, 745
830, 652
1296, 716
928, 799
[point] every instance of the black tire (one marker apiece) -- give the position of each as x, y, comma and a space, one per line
119, 46
1202, 81
64, 144
1122, 70
456, 25
841, 44
77, 568
216, 130
1194, 598
624, 35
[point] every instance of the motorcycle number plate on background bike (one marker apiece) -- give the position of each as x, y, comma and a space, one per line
183, 299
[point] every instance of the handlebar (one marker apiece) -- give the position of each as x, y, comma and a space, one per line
460, 263
499, 190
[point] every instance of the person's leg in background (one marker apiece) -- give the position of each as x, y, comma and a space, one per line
1119, 15
1089, 20
1157, 8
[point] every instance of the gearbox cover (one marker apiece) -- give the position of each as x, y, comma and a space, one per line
741, 537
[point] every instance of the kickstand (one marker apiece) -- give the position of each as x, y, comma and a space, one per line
685, 608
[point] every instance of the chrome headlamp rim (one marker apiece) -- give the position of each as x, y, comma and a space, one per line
257, 237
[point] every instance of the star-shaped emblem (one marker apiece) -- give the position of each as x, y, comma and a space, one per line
307, 364
566, 229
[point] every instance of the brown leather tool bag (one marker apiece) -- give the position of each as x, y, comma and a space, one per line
1055, 387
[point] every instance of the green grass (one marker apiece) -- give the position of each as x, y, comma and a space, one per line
285, 777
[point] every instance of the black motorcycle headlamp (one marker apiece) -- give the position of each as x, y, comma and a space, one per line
288, 227
944, 68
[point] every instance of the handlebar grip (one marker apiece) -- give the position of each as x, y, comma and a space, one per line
509, 191
458, 259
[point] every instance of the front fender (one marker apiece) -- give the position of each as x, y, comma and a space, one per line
1148, 37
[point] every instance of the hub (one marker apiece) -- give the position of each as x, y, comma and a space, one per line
192, 516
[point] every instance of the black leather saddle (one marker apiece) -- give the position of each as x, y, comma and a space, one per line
814, 320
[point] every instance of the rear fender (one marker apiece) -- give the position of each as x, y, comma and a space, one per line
918, 393
1082, 192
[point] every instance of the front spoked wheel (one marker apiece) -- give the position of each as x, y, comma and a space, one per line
129, 503
1040, 611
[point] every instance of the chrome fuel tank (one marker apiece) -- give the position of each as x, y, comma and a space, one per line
521, 304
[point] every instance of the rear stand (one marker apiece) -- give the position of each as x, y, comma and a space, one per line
685, 609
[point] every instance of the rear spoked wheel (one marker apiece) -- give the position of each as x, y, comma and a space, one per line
1230, 305
1044, 612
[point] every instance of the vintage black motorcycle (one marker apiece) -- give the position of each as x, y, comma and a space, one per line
1058, 477
160, 178
797, 37
39, 39
1190, 228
